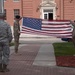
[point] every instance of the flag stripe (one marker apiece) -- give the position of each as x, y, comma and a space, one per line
59, 26
53, 29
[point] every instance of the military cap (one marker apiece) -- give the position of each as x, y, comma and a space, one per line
17, 17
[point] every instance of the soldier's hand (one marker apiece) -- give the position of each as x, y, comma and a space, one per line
19, 32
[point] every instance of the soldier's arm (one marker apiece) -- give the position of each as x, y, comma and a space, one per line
73, 24
9, 32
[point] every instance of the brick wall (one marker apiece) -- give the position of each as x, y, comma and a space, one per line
10, 5
66, 9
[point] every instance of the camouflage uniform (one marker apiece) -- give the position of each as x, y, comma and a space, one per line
73, 32
16, 29
5, 39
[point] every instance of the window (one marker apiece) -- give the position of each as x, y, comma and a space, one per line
45, 16
47, 0
48, 10
16, 12
48, 14
5, 14
16, 0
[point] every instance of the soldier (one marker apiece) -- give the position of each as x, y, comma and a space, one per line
5, 39
73, 32
16, 29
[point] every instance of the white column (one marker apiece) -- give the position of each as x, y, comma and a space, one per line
1, 6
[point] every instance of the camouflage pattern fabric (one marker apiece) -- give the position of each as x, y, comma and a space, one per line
73, 32
5, 39
16, 29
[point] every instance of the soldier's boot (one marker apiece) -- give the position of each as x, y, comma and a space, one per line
5, 69
1, 68
16, 50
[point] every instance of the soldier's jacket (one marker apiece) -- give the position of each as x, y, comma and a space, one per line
5, 32
16, 28
73, 32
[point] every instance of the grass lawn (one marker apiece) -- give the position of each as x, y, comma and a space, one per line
64, 49
11, 44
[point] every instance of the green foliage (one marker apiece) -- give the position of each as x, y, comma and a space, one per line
63, 49
11, 44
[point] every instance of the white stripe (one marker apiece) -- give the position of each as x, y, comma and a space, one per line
56, 22
67, 29
57, 25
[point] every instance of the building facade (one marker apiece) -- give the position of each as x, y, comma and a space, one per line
45, 9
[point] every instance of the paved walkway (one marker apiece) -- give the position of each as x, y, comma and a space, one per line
45, 56
35, 59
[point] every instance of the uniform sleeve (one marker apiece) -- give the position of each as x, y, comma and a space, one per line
9, 32
73, 24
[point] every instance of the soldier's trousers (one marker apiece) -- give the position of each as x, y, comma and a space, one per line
73, 37
16, 41
4, 53
73, 40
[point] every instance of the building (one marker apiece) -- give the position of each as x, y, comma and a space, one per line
45, 9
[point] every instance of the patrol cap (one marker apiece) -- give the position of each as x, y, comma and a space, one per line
2, 15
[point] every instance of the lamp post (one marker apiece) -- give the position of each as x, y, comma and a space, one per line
1, 6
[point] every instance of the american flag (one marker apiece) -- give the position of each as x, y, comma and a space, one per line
57, 28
